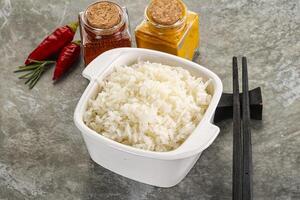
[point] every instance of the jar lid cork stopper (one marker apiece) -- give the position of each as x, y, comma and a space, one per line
103, 15
165, 12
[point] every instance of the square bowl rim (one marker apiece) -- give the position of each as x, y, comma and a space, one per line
168, 155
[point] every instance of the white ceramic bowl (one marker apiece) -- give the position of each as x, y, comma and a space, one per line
163, 169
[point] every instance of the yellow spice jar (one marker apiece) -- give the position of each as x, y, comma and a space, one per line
169, 27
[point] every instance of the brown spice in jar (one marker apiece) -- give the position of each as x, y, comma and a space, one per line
165, 12
103, 15
95, 47
104, 26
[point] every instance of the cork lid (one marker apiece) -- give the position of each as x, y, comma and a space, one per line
103, 15
166, 12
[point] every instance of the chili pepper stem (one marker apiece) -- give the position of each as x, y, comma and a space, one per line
73, 26
77, 42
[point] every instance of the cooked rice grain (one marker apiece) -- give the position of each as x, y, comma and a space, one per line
148, 106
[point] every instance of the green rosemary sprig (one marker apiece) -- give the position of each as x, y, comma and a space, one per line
34, 71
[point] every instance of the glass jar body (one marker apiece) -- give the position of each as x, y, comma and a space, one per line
96, 41
182, 41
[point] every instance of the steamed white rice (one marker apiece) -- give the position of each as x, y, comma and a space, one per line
148, 106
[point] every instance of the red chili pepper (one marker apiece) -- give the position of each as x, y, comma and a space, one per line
53, 43
68, 55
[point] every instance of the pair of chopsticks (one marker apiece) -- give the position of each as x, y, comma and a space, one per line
242, 149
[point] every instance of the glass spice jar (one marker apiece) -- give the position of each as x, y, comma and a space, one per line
169, 27
104, 25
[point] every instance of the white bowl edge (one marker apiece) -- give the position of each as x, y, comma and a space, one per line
143, 153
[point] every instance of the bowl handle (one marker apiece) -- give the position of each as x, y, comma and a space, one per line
200, 139
100, 63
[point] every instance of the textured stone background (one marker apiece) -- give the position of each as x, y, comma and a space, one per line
43, 156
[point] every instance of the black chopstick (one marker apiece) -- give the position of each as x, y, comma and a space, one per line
247, 148
237, 137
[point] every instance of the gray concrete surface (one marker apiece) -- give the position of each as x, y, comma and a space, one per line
43, 156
